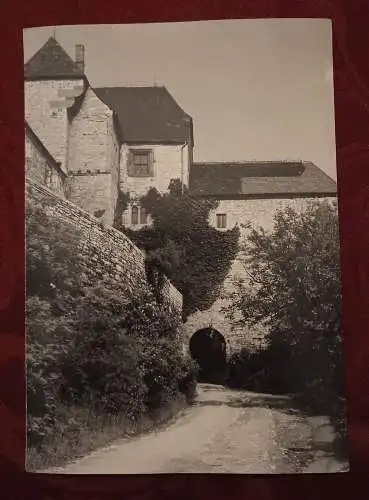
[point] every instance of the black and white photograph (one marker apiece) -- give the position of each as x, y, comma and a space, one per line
183, 279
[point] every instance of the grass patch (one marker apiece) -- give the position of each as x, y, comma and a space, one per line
81, 431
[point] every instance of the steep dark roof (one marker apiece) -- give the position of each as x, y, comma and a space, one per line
259, 179
147, 115
51, 62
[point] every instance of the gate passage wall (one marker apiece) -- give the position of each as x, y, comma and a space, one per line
258, 213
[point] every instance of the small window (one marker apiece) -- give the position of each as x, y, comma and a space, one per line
134, 216
143, 215
140, 163
221, 221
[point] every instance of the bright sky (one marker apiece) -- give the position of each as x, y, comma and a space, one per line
256, 89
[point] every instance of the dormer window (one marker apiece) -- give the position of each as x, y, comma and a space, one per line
140, 163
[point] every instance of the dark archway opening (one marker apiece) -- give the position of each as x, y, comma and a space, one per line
208, 348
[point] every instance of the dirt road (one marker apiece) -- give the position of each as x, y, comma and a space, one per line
224, 432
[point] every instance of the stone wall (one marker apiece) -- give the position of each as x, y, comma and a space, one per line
41, 166
49, 122
169, 162
92, 192
93, 158
258, 212
106, 253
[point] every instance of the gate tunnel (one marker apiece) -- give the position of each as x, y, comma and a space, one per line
208, 348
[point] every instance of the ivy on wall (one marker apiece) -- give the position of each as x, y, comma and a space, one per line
121, 206
181, 244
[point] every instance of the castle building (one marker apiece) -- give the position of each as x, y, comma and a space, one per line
105, 140
90, 144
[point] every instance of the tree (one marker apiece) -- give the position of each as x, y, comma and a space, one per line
294, 290
294, 271
181, 243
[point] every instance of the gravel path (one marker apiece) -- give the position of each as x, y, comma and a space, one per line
225, 431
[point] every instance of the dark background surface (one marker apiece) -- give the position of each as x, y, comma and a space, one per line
351, 67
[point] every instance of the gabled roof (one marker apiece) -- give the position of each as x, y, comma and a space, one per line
260, 179
52, 62
147, 115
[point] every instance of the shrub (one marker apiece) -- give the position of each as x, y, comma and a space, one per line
104, 348
295, 291
188, 378
47, 343
250, 370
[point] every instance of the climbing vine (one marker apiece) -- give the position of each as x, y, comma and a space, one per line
181, 244
121, 206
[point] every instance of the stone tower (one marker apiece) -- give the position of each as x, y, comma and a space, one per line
75, 126
52, 83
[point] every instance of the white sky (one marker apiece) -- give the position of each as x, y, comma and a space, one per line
256, 89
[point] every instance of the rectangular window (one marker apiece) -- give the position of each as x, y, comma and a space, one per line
140, 163
221, 221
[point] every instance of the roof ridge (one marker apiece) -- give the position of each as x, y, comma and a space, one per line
51, 38
250, 162
312, 164
132, 86
147, 115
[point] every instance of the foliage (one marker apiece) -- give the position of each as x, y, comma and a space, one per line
98, 347
52, 286
294, 290
51, 259
250, 371
121, 206
195, 256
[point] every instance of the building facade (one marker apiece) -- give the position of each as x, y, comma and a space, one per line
249, 195
101, 142
105, 140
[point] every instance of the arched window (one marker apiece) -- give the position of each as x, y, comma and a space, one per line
143, 215
134, 216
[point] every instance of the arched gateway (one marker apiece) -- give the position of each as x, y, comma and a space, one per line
208, 347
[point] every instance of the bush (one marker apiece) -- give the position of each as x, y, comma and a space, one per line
47, 343
249, 370
188, 378
295, 292
100, 348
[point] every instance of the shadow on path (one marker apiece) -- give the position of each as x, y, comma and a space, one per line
304, 439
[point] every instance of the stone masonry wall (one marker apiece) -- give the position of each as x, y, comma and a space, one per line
89, 138
92, 192
48, 122
107, 253
169, 162
93, 159
260, 212
167, 165
41, 167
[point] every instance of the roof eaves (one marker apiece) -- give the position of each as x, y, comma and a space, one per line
41, 77
266, 195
